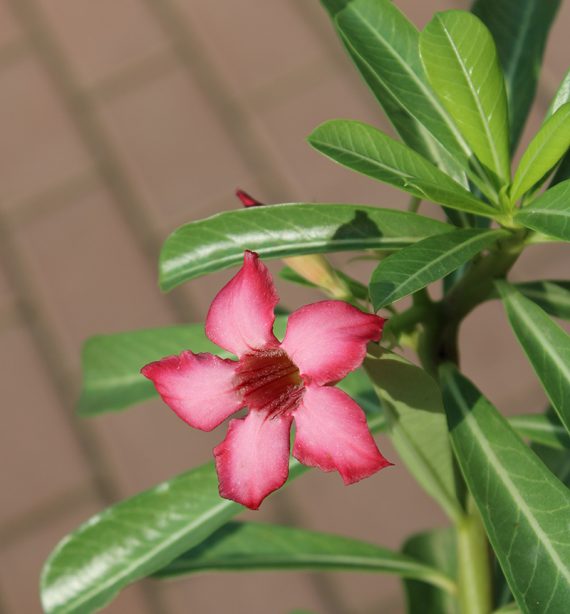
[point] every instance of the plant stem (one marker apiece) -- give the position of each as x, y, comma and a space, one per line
473, 565
438, 343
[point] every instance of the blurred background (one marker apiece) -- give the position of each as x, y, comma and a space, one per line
119, 121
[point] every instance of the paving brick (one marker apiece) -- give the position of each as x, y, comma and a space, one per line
40, 147
90, 274
254, 42
40, 457
255, 593
173, 148
102, 38
148, 444
21, 563
493, 360
9, 29
556, 54
316, 178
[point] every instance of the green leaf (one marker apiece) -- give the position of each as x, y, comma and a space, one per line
277, 231
546, 148
549, 213
552, 295
546, 345
385, 47
253, 546
523, 506
416, 423
436, 548
139, 536
414, 267
131, 540
461, 62
510, 608
111, 364
334, 6
366, 150
561, 97
540, 428
520, 29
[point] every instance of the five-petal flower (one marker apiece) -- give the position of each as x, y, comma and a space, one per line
278, 383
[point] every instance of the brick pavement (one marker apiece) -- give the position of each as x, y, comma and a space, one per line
121, 119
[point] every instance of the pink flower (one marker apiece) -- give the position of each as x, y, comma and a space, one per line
278, 383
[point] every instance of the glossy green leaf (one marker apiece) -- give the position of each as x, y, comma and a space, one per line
540, 428
461, 62
552, 295
131, 540
549, 213
561, 97
416, 423
520, 30
383, 41
524, 508
414, 267
366, 150
277, 231
546, 345
111, 364
557, 461
242, 546
546, 148
334, 6
139, 536
436, 548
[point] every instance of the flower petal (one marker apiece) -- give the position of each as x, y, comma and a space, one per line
332, 433
198, 387
253, 459
241, 316
327, 340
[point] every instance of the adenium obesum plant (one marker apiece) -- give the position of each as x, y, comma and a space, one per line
458, 94
278, 383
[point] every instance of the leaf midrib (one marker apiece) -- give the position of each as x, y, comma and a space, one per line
503, 475
425, 90
447, 254
149, 555
483, 117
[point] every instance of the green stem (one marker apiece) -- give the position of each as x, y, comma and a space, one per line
439, 341
414, 204
473, 565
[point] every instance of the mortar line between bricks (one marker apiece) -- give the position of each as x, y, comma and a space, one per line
136, 218
230, 112
46, 511
93, 134
46, 344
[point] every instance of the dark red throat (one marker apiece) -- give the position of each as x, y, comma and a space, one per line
269, 380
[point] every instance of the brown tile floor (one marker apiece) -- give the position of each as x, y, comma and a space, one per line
121, 119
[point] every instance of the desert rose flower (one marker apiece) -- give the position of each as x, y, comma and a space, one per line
279, 382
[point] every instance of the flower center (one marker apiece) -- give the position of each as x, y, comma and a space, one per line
269, 380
